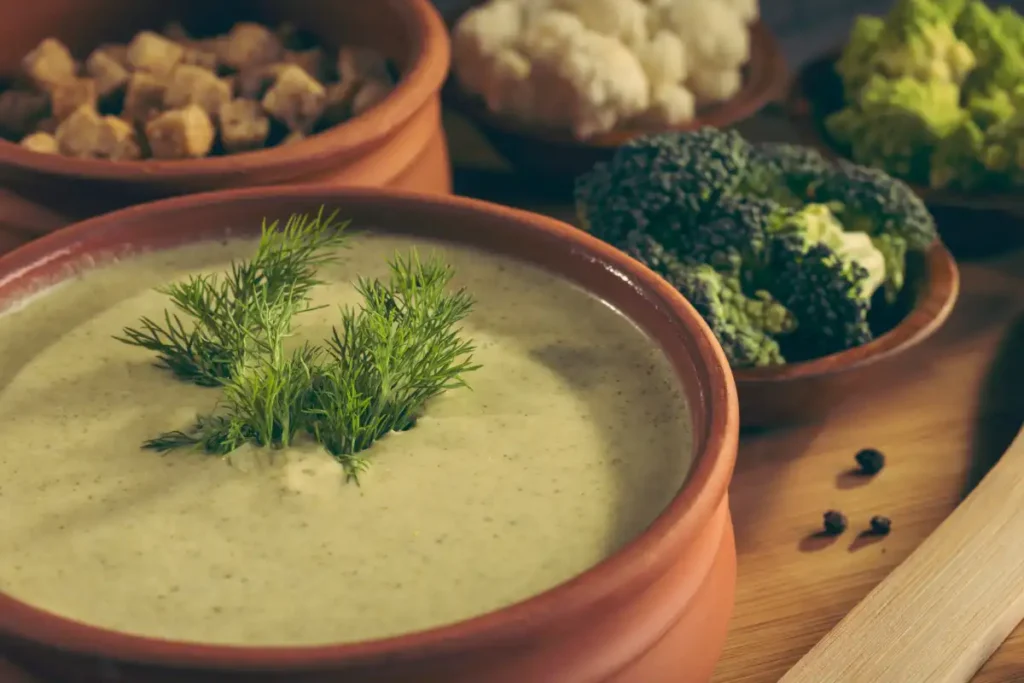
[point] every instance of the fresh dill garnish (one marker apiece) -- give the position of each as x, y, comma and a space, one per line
400, 349
232, 317
385, 360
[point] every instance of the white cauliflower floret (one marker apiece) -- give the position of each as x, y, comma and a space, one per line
671, 106
510, 71
587, 81
748, 10
663, 59
550, 31
715, 35
482, 33
557, 68
714, 86
622, 19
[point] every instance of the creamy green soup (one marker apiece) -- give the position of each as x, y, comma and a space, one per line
573, 438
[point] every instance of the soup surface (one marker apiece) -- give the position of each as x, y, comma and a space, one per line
572, 440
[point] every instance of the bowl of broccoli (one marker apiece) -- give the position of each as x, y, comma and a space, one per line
807, 270
932, 93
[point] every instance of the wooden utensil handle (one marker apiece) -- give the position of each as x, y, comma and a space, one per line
943, 612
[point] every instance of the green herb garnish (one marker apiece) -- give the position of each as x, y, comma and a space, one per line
248, 310
388, 357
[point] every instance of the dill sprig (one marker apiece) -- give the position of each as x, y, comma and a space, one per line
251, 308
400, 348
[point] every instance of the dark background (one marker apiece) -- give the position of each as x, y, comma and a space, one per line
806, 27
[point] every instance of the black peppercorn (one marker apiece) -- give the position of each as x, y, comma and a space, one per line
880, 525
871, 461
835, 522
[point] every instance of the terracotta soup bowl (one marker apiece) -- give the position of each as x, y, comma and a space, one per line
397, 143
654, 611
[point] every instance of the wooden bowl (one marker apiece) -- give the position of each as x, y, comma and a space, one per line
398, 143
655, 612
803, 392
557, 154
817, 92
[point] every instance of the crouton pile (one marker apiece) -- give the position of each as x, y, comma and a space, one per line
169, 95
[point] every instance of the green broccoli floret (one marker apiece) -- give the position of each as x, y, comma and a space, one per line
1000, 58
744, 325
876, 203
783, 172
857, 62
732, 235
826, 277
957, 159
662, 182
871, 201
753, 236
893, 249
895, 122
918, 41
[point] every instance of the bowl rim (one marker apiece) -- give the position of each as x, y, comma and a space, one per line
702, 493
766, 80
431, 57
801, 108
930, 311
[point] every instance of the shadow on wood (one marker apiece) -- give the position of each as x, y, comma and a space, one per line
1001, 404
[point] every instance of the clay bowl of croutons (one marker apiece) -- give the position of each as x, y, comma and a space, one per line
108, 103
557, 90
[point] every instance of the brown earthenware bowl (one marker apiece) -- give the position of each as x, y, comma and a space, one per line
803, 392
398, 143
656, 612
557, 154
817, 92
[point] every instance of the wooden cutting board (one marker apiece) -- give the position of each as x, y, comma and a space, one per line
940, 615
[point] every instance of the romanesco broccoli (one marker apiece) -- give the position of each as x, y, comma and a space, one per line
918, 41
857, 63
957, 159
1000, 60
1003, 151
1012, 24
990, 106
895, 122
914, 78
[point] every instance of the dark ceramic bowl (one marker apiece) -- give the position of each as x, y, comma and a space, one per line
398, 143
656, 612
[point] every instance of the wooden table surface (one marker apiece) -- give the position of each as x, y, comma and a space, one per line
941, 421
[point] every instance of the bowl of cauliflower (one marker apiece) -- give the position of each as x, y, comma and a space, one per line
558, 85
931, 93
